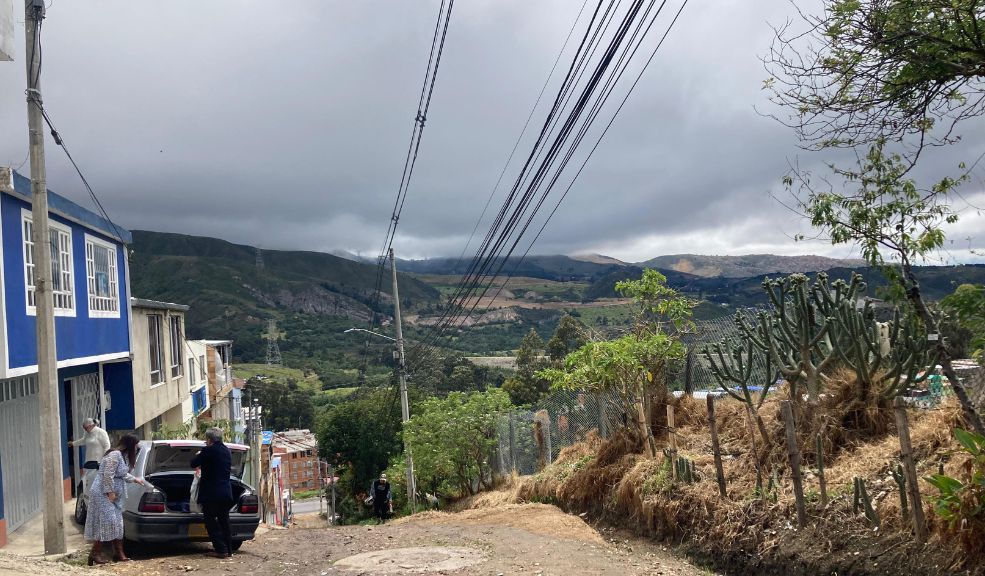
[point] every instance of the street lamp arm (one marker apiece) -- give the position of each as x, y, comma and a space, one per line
368, 332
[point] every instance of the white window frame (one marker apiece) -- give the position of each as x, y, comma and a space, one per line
67, 276
158, 336
114, 275
175, 336
191, 372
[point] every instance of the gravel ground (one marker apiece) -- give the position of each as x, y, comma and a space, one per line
533, 539
11, 565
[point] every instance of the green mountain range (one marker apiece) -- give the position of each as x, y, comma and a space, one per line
233, 290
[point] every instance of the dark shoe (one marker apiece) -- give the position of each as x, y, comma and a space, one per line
120, 555
96, 554
215, 554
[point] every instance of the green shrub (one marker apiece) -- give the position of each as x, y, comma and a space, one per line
961, 501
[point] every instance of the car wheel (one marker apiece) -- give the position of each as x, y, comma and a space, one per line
236, 545
80, 507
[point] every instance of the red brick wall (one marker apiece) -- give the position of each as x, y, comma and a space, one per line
67, 488
3, 533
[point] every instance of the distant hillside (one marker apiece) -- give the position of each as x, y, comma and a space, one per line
559, 268
593, 267
230, 298
748, 265
935, 281
605, 287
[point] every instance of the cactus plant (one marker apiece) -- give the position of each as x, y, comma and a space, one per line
900, 479
885, 364
863, 500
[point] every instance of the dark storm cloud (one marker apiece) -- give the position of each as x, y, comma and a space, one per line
286, 125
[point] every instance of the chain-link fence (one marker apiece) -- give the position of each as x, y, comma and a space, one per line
531, 439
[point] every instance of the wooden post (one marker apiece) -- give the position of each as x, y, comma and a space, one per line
715, 447
910, 469
672, 440
794, 453
755, 449
820, 471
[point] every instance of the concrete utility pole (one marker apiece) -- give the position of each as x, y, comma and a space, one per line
51, 424
404, 405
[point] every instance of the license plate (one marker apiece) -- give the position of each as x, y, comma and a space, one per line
197, 531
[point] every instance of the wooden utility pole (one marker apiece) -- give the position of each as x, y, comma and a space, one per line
402, 373
51, 427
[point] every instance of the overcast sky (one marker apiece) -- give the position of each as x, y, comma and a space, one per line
285, 125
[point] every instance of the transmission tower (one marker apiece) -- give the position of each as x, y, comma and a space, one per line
259, 259
273, 350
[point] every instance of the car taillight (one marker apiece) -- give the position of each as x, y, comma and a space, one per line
152, 502
249, 504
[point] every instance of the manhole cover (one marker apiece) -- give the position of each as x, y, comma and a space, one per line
412, 560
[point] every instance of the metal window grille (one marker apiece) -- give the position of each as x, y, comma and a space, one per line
177, 358
156, 349
60, 243
101, 276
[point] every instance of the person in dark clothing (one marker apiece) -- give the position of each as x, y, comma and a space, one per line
382, 499
215, 492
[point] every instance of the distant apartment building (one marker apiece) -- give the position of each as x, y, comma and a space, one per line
298, 452
90, 292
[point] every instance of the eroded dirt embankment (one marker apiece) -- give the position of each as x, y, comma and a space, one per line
613, 483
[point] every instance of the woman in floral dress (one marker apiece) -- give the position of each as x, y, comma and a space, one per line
104, 518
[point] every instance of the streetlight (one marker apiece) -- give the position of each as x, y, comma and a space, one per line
369, 332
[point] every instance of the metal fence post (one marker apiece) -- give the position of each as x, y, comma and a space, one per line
512, 442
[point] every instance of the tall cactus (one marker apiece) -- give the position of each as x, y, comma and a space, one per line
794, 333
733, 365
884, 364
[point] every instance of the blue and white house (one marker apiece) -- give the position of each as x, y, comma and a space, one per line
92, 334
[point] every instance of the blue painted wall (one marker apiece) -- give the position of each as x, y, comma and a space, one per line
76, 337
1, 488
118, 381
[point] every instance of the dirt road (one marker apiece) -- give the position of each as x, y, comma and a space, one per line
533, 539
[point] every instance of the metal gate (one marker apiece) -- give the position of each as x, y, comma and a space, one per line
85, 404
20, 449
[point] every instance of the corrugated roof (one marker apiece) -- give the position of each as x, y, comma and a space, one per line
295, 440
155, 305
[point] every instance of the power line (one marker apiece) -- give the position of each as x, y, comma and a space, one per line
546, 163
61, 143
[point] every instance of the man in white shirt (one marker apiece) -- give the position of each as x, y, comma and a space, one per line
95, 441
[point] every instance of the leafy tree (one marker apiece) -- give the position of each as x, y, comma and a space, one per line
526, 387
453, 439
634, 366
361, 435
568, 336
967, 307
862, 71
628, 366
286, 405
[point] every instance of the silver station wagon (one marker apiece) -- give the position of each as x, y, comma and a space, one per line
162, 510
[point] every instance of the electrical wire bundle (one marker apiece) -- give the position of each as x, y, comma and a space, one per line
615, 34
413, 148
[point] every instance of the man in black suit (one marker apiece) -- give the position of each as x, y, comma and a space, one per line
215, 492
